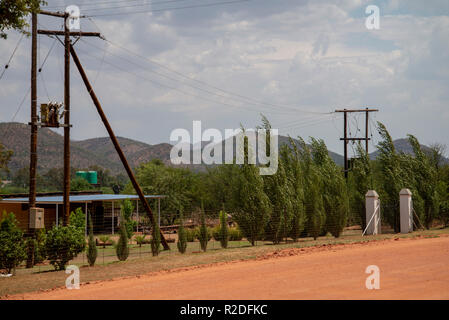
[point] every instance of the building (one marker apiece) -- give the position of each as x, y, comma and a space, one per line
104, 209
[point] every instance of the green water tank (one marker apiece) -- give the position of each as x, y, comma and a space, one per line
92, 177
82, 174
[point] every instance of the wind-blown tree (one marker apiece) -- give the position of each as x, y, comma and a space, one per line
313, 200
290, 157
334, 189
361, 180
395, 174
426, 181
253, 207
279, 190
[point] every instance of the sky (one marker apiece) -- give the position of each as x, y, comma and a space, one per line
226, 62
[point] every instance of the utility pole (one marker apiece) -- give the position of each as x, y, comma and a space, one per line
66, 190
70, 51
346, 140
33, 146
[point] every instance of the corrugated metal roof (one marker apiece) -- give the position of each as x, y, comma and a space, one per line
82, 198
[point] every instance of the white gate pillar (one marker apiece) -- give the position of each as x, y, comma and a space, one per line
405, 200
372, 204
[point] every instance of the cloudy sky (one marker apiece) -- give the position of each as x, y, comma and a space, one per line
225, 62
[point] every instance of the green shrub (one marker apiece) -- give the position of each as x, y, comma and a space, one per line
182, 236
204, 234
140, 240
92, 246
235, 234
122, 249
12, 245
127, 210
190, 234
104, 240
63, 243
223, 230
78, 219
155, 239
39, 250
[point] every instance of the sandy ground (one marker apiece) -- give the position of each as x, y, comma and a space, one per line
409, 269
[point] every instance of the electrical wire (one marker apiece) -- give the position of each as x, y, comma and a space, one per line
12, 55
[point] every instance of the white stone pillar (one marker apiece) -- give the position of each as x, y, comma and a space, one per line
372, 212
405, 200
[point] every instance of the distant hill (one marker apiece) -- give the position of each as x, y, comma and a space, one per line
101, 152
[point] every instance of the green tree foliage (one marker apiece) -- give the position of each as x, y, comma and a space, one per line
127, 211
78, 219
252, 206
40, 252
12, 245
63, 243
224, 229
334, 189
122, 248
80, 184
182, 235
203, 232
5, 156
92, 250
313, 200
361, 180
13, 14
140, 240
425, 173
155, 239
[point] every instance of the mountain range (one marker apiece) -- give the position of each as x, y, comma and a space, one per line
100, 151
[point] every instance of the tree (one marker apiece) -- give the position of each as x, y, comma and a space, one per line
361, 180
78, 219
92, 250
80, 184
127, 210
334, 189
203, 233
426, 180
122, 249
5, 156
182, 235
313, 200
252, 206
155, 238
12, 245
224, 229
13, 14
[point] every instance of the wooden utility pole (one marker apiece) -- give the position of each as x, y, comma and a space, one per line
346, 140
117, 145
33, 146
67, 45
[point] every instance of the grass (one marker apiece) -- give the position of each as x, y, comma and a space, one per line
141, 261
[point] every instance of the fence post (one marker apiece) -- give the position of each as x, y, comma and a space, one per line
372, 212
405, 200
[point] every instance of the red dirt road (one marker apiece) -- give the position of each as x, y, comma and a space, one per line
409, 269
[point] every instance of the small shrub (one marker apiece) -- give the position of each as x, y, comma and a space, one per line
78, 219
190, 234
122, 249
140, 240
223, 230
12, 245
104, 240
235, 234
92, 247
203, 232
182, 236
39, 249
127, 210
155, 239
63, 243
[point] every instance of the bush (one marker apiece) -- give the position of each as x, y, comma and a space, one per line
63, 243
39, 248
78, 219
122, 249
127, 210
92, 247
104, 240
235, 234
155, 239
223, 231
140, 240
182, 236
190, 234
12, 245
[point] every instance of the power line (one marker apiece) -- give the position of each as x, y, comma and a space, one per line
12, 55
173, 8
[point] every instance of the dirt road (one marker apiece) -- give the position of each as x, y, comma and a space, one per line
409, 269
